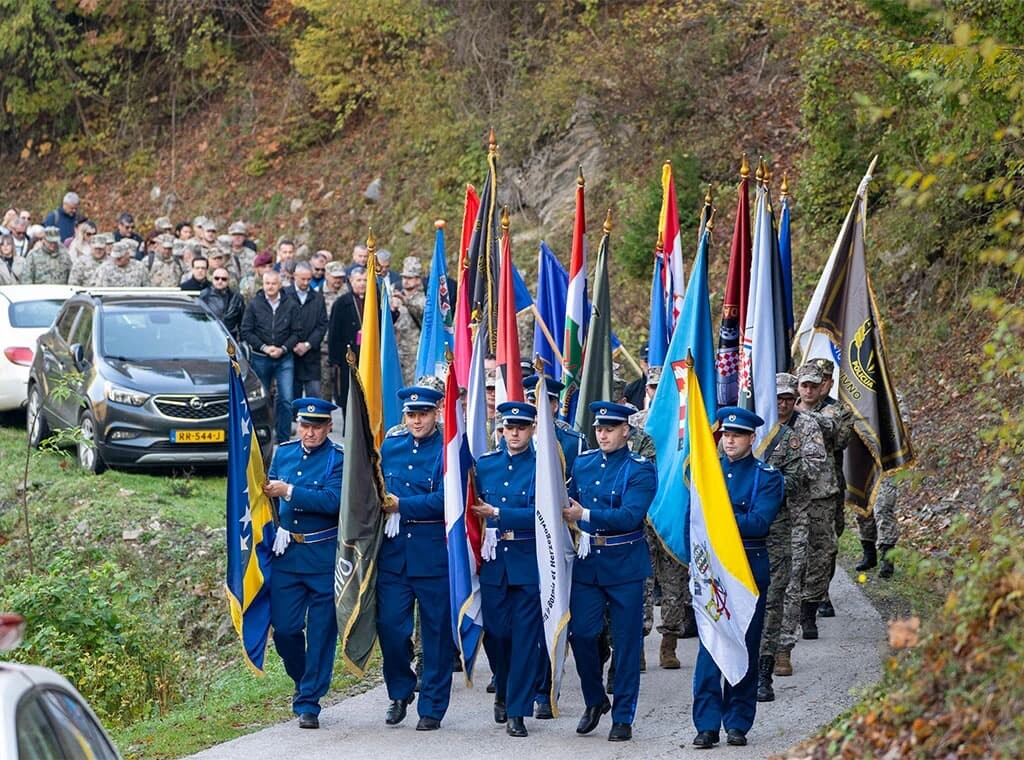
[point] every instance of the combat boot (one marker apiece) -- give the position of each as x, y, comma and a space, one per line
870, 557
765, 692
809, 619
669, 661
885, 565
783, 664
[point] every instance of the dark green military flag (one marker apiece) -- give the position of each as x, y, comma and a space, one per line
360, 532
596, 375
849, 316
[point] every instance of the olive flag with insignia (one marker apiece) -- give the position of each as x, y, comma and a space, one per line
360, 533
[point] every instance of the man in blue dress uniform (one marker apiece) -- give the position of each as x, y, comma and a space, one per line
509, 580
304, 480
756, 490
609, 494
571, 441
413, 563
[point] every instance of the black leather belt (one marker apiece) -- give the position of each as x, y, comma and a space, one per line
755, 543
618, 539
423, 522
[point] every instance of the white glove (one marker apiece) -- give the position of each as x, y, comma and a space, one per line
281, 541
489, 548
584, 546
391, 526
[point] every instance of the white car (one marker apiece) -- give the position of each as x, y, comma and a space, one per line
26, 312
41, 713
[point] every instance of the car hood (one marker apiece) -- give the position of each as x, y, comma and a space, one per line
170, 375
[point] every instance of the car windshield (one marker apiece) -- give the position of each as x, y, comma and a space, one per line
33, 313
134, 333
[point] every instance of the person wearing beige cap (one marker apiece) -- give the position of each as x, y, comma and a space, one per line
166, 269
163, 225
121, 270
85, 266
241, 248
49, 262
407, 305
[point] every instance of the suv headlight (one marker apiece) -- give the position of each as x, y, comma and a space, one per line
256, 393
121, 395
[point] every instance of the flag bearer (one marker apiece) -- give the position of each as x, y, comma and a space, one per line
414, 563
609, 494
305, 482
571, 441
509, 581
756, 491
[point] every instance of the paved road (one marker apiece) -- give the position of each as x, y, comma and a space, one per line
827, 672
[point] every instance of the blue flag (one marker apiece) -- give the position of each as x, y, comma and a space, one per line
666, 422
437, 330
552, 295
250, 527
786, 259
522, 298
390, 366
657, 340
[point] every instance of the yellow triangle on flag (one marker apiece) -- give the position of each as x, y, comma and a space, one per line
369, 350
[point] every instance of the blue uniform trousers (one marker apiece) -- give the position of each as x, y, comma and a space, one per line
625, 603
512, 623
396, 595
715, 702
300, 600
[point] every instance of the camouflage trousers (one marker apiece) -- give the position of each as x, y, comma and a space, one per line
822, 547
799, 512
880, 526
780, 560
674, 579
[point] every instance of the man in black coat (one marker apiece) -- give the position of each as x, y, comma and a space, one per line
226, 304
270, 327
346, 325
312, 327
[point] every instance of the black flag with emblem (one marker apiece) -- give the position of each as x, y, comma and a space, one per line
360, 532
849, 316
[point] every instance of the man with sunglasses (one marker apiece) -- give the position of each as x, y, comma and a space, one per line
318, 265
126, 231
226, 304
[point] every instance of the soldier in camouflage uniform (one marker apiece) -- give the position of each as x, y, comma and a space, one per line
408, 304
843, 424
673, 577
121, 270
813, 458
166, 270
253, 282
48, 263
879, 531
84, 269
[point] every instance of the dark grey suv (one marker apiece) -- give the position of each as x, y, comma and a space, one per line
154, 388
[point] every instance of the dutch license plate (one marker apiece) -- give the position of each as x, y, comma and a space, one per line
197, 436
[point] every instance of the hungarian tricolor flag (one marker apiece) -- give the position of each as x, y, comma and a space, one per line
576, 304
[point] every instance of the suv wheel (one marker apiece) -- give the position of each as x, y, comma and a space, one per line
35, 420
88, 453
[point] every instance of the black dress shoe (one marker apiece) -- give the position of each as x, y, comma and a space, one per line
705, 739
396, 710
735, 737
500, 713
592, 716
428, 724
308, 720
516, 727
621, 732
543, 711
491, 688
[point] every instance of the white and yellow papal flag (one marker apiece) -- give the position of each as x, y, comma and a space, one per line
724, 592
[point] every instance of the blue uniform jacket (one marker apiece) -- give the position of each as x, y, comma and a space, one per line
508, 483
315, 477
756, 490
573, 443
414, 472
618, 490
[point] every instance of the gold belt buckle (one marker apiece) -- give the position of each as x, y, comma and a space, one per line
299, 538
600, 540
508, 535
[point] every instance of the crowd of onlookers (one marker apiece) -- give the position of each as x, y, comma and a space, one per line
230, 272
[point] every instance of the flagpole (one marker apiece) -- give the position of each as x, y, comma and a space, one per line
547, 333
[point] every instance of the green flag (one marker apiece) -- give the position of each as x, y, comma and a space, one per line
360, 532
596, 376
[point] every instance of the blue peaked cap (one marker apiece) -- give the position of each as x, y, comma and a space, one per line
311, 409
607, 413
417, 398
738, 420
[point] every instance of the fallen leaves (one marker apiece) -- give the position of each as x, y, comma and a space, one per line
904, 633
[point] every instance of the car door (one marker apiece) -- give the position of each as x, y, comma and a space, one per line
52, 722
55, 359
81, 335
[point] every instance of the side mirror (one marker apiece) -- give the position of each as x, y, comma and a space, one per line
12, 627
78, 356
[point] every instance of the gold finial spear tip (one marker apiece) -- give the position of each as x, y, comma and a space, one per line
759, 174
710, 224
608, 222
448, 355
350, 356
785, 184
370, 240
439, 224
231, 349
579, 177
538, 364
504, 218
661, 241
492, 142
707, 196
744, 167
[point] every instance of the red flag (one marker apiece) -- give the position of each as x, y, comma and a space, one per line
509, 377
463, 348
734, 307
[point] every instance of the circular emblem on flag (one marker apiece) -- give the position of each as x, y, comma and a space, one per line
310, 408
414, 396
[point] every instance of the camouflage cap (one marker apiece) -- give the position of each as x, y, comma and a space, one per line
618, 386
237, 228
102, 238
432, 382
123, 248
809, 373
199, 221
335, 269
166, 241
412, 267
210, 225
786, 384
653, 375
827, 366
489, 379
163, 223
52, 234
